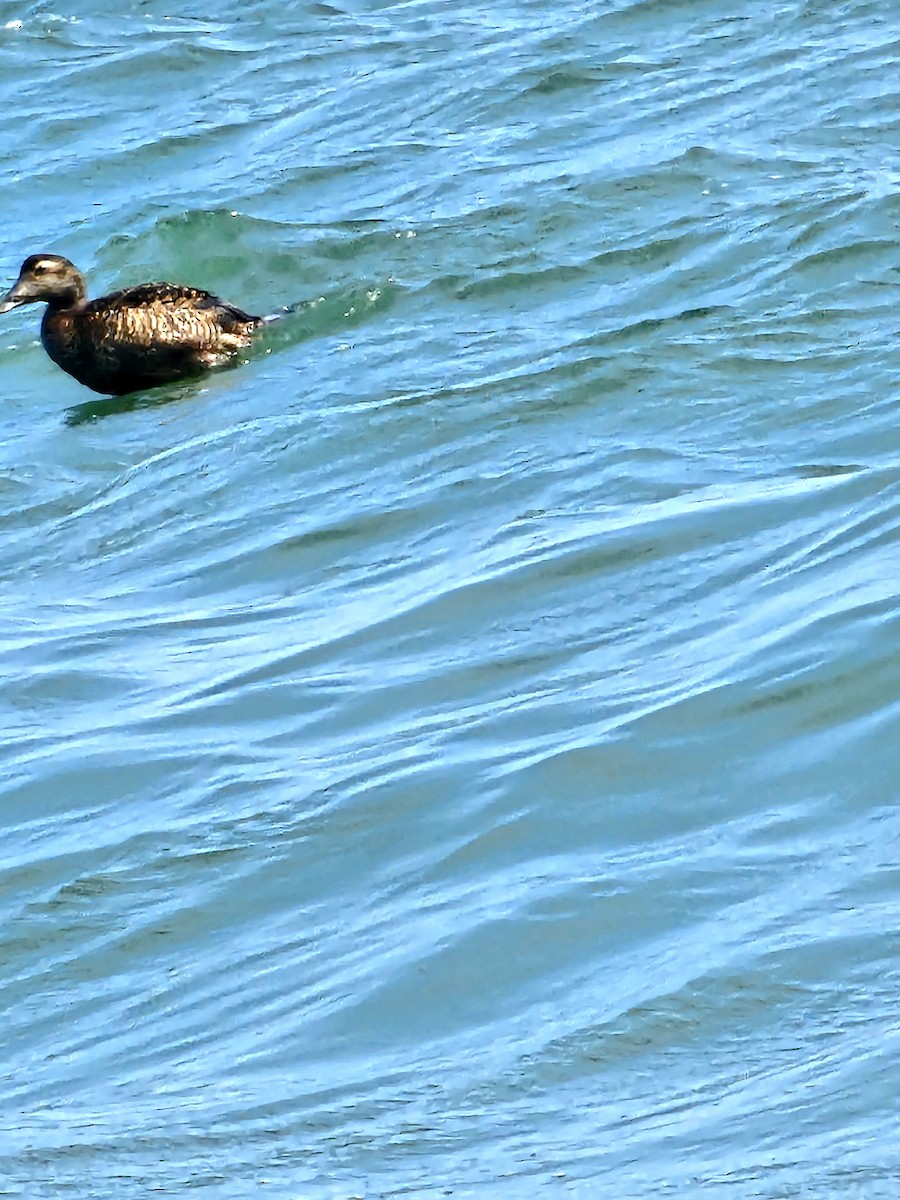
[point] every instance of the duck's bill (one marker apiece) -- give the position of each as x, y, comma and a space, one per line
10, 301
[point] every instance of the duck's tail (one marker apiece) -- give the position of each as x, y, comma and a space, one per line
288, 309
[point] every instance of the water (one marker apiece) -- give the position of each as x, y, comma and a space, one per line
456, 752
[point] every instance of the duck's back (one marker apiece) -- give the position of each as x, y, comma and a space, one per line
143, 336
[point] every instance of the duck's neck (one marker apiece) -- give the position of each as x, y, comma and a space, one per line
72, 296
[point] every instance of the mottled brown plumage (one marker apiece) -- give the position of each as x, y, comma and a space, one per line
137, 338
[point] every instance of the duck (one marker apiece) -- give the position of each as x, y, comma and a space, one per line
133, 339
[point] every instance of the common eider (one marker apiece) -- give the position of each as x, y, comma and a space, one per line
133, 339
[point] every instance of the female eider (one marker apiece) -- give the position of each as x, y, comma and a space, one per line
137, 338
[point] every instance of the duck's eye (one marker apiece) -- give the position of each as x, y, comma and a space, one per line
39, 269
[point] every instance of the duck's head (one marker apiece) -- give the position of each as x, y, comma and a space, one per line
47, 277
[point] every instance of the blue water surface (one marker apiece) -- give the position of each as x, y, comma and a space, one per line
456, 753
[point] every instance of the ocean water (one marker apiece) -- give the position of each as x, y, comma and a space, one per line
457, 752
